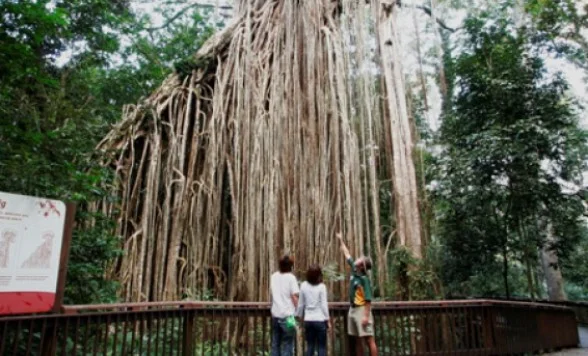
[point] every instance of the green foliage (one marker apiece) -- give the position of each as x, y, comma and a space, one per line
186, 66
203, 294
331, 273
61, 88
49, 121
89, 257
34, 33
559, 24
575, 269
511, 137
154, 53
418, 276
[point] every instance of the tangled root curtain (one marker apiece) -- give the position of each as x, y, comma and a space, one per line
280, 135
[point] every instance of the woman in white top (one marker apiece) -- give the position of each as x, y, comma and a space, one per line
313, 306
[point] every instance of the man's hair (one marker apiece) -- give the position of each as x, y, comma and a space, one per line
314, 275
367, 263
286, 263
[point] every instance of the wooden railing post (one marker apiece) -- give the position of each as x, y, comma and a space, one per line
488, 330
188, 334
49, 341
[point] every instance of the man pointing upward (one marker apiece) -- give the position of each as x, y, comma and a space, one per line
360, 321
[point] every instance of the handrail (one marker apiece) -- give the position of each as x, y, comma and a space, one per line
579, 307
75, 309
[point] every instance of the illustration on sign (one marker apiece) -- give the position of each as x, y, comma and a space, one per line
6, 239
47, 207
41, 258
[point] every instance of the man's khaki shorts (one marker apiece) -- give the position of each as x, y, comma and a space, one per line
354, 326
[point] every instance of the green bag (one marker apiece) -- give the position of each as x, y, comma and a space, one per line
291, 323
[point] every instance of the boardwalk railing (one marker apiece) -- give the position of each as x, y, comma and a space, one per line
579, 307
480, 327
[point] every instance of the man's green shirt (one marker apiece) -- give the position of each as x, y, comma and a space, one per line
360, 290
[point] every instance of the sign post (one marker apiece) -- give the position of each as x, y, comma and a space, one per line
70, 215
35, 236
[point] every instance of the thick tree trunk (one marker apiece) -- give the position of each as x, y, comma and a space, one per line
551, 269
443, 86
408, 221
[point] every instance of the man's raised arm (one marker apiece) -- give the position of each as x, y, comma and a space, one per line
344, 248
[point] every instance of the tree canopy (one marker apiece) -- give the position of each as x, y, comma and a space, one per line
511, 143
64, 77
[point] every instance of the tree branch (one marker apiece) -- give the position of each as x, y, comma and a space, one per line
427, 11
439, 21
183, 11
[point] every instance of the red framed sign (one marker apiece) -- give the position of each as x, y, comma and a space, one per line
34, 245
